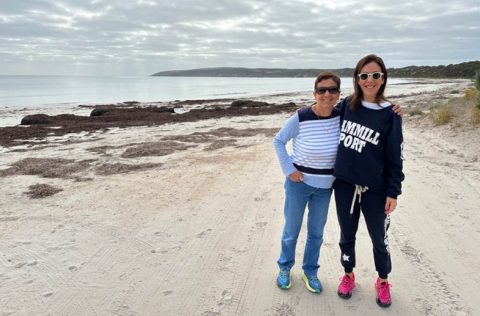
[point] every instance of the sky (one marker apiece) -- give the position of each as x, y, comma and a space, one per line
141, 37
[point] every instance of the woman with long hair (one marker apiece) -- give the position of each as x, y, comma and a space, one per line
368, 172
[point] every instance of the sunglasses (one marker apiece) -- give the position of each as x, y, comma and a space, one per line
375, 75
323, 90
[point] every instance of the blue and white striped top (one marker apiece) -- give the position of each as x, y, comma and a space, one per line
314, 146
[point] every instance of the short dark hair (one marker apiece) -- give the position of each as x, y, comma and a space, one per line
324, 75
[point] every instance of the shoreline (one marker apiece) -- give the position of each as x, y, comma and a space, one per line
11, 115
39, 125
135, 220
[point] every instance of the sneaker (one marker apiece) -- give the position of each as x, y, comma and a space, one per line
312, 283
383, 293
283, 279
346, 286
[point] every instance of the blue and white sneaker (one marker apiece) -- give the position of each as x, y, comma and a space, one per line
312, 283
283, 279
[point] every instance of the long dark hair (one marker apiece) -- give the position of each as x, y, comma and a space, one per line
357, 96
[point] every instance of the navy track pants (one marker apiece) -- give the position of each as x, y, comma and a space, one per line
372, 206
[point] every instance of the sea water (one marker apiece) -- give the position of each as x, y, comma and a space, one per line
36, 91
30, 91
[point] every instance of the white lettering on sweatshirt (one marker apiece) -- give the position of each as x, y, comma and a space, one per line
356, 136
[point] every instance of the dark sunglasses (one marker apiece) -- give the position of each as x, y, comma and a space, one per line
375, 75
323, 90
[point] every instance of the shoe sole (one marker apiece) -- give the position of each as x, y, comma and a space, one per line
379, 303
345, 296
284, 287
384, 305
304, 278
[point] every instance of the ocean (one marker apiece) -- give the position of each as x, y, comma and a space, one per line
36, 91
31, 91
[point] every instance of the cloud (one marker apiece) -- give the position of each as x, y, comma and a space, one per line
145, 36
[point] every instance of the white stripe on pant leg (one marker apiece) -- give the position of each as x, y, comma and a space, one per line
386, 224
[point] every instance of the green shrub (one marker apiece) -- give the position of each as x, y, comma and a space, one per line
477, 80
442, 115
477, 85
476, 115
471, 93
415, 112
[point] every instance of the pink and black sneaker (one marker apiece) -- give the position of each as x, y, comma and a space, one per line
383, 293
346, 286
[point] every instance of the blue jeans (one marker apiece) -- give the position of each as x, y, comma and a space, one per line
297, 196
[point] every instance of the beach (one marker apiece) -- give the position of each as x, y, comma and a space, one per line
185, 218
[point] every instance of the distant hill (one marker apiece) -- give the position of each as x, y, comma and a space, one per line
462, 70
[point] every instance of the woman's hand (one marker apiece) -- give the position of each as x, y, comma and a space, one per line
390, 205
296, 176
397, 109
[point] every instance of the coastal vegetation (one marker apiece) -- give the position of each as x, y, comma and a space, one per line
459, 111
461, 70
476, 108
476, 116
443, 115
477, 86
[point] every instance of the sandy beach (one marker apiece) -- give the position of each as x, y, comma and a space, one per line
185, 218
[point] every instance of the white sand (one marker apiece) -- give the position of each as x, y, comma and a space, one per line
201, 234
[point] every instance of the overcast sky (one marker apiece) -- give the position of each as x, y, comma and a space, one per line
141, 37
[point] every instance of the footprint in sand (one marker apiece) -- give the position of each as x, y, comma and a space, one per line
9, 218
226, 298
202, 234
20, 264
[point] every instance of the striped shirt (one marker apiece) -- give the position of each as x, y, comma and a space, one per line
314, 146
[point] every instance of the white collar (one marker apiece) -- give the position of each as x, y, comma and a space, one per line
376, 106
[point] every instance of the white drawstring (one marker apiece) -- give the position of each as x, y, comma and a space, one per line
358, 191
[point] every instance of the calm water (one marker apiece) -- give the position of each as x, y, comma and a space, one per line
40, 90
31, 91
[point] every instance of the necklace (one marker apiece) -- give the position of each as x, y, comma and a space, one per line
326, 124
319, 116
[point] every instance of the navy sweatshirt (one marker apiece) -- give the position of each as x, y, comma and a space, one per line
370, 148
